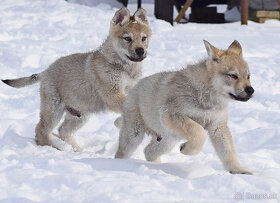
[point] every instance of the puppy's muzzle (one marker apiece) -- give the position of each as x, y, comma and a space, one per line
249, 92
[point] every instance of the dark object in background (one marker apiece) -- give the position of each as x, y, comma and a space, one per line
164, 10
201, 3
125, 2
206, 15
200, 13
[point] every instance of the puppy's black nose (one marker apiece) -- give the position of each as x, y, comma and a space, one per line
249, 90
139, 51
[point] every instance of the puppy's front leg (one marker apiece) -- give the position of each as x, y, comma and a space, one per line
222, 141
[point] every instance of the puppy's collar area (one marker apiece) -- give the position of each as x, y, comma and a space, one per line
114, 60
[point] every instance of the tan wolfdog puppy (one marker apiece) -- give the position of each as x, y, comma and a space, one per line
93, 82
185, 103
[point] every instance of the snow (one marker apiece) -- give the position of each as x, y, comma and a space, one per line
33, 33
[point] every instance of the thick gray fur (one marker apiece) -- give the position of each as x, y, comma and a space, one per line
93, 82
184, 104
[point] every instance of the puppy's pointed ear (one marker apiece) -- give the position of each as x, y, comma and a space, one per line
235, 47
213, 52
141, 16
121, 16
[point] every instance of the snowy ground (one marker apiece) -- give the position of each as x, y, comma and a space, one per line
33, 33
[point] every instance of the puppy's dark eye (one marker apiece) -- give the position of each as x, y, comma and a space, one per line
128, 39
144, 38
233, 76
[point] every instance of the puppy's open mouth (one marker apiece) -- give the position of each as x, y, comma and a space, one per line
243, 99
135, 59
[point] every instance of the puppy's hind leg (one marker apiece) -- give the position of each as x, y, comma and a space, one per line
51, 112
131, 135
70, 125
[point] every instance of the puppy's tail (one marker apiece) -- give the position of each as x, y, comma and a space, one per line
22, 82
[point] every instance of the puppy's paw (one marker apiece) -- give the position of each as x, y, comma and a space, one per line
77, 148
240, 171
157, 160
187, 149
71, 141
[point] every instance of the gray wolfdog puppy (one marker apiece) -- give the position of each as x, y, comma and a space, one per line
92, 82
186, 103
